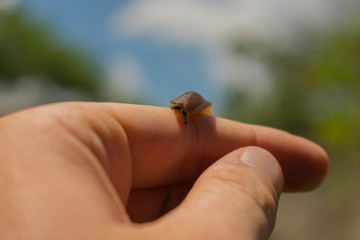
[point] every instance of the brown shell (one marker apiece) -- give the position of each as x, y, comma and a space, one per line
191, 102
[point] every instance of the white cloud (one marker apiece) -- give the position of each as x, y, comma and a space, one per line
125, 78
211, 24
5, 4
213, 21
27, 91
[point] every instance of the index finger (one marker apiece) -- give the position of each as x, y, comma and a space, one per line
165, 151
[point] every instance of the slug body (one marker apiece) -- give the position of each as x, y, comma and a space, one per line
190, 103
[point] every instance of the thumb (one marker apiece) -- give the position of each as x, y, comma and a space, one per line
234, 198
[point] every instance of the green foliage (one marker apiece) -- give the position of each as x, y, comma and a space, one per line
30, 49
316, 94
316, 89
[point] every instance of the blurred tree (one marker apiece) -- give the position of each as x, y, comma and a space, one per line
28, 48
316, 87
316, 94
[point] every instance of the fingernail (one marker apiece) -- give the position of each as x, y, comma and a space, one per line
265, 163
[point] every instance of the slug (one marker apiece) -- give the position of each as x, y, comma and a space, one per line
190, 103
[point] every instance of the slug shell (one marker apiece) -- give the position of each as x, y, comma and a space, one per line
190, 102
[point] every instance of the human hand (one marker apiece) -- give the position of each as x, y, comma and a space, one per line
91, 170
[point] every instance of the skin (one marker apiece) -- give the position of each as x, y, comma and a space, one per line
117, 171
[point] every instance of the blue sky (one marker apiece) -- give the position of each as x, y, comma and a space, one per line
168, 70
159, 49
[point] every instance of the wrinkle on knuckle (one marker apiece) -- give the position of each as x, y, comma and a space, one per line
255, 136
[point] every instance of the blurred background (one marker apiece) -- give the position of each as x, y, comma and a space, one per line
293, 65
